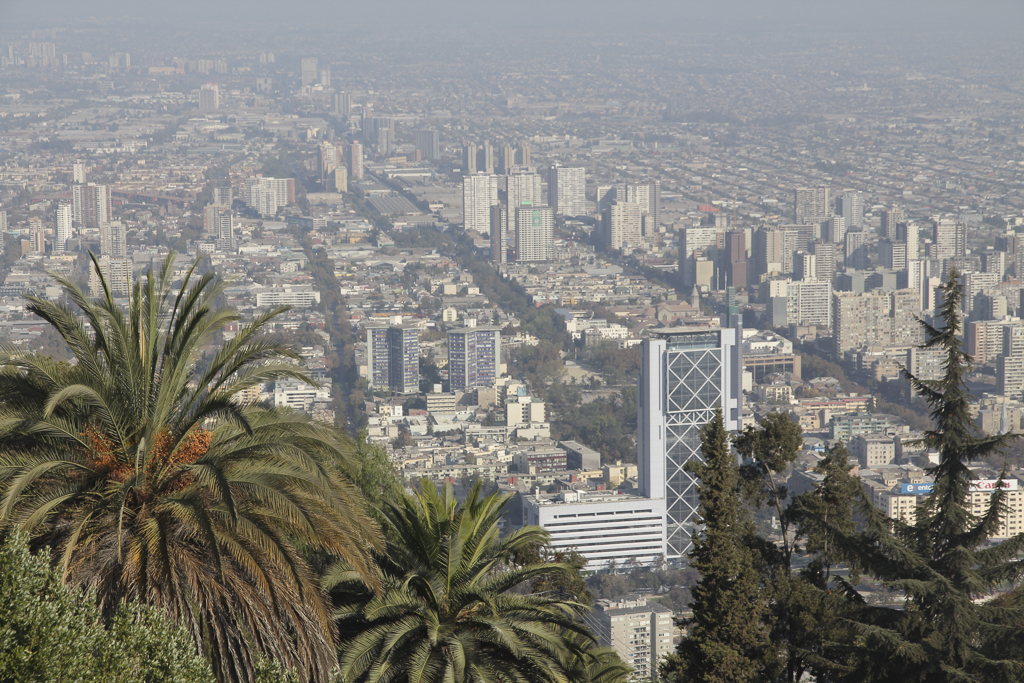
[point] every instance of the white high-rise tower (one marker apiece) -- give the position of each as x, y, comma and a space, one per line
62, 233
479, 194
685, 376
567, 190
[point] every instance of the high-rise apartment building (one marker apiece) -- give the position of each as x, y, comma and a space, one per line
834, 229
824, 259
876, 318
648, 196
330, 159
949, 238
485, 158
499, 234
36, 235
890, 219
113, 240
116, 271
524, 188
78, 175
310, 73
341, 104
639, 631
995, 262
91, 205
856, 250
62, 232
606, 194
851, 207
393, 357
222, 195
404, 359
973, 285
218, 223
685, 376
909, 234
984, 339
905, 309
768, 252
734, 259
474, 357
355, 161
479, 194
209, 97
378, 357
805, 268
379, 131
802, 303
469, 159
340, 179
523, 155
1010, 364
535, 233
567, 190
621, 227
693, 242
892, 255
811, 202
428, 142
859, 319
267, 195
506, 159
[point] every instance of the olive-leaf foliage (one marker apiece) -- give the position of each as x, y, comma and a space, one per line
49, 632
453, 606
154, 476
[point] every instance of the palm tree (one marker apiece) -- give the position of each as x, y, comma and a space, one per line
153, 475
595, 665
452, 607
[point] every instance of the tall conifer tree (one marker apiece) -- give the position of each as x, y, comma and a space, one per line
728, 636
943, 564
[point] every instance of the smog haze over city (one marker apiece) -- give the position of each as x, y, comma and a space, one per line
537, 246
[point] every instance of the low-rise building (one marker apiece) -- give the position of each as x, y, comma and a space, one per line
606, 527
580, 457
872, 450
538, 459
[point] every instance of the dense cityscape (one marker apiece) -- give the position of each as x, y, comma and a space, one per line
541, 272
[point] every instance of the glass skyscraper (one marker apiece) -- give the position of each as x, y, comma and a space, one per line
686, 374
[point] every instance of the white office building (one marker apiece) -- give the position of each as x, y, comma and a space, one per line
298, 395
297, 298
685, 376
604, 526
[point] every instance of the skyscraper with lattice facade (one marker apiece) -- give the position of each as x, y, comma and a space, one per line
685, 376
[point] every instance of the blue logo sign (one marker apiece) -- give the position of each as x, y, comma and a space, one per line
916, 489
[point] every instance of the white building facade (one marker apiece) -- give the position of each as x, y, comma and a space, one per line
606, 527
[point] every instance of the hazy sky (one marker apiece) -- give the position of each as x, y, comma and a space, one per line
548, 16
